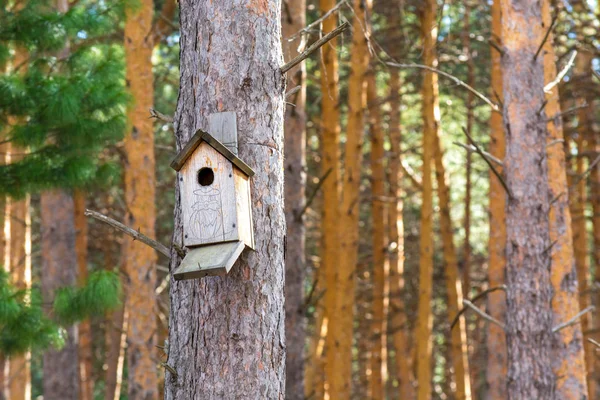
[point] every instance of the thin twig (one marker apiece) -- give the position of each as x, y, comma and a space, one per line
158, 115
474, 299
471, 149
569, 111
573, 320
136, 235
595, 343
313, 47
411, 175
480, 152
483, 314
293, 91
562, 73
308, 27
545, 37
312, 196
451, 77
170, 369
585, 173
496, 46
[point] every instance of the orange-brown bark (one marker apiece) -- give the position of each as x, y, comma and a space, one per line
341, 321
431, 121
496, 305
398, 319
380, 288
140, 262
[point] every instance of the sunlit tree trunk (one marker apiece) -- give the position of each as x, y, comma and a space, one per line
226, 333
380, 288
496, 369
431, 121
398, 322
458, 335
529, 288
86, 383
568, 356
293, 18
342, 319
140, 260
330, 171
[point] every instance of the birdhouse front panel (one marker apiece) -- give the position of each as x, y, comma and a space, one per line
207, 187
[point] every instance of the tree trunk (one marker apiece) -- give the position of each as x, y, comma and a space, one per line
342, 319
496, 302
529, 288
86, 383
140, 260
431, 112
381, 267
226, 333
59, 269
293, 19
398, 321
458, 336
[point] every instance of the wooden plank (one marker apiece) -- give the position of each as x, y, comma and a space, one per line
211, 260
244, 209
223, 127
209, 212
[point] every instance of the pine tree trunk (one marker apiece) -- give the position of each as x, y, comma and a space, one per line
293, 19
458, 336
140, 260
430, 110
59, 269
496, 369
381, 267
86, 383
226, 333
398, 320
568, 356
330, 171
342, 319
529, 288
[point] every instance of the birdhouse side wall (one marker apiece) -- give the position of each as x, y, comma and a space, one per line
209, 212
244, 207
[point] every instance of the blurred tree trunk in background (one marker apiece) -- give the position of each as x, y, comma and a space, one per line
226, 333
398, 321
431, 121
293, 18
381, 267
529, 288
568, 356
458, 336
342, 319
86, 383
330, 172
496, 368
140, 260
466, 41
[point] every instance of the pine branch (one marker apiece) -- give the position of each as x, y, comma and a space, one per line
550, 28
313, 47
562, 73
474, 299
471, 149
483, 315
160, 116
136, 235
308, 27
573, 320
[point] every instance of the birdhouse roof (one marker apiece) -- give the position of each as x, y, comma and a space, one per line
201, 136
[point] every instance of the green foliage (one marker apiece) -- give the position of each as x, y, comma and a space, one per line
66, 103
23, 325
102, 293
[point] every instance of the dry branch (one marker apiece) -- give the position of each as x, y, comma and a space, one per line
482, 314
573, 320
471, 149
474, 299
562, 73
308, 27
158, 115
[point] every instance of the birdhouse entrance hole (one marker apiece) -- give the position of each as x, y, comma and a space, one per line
206, 176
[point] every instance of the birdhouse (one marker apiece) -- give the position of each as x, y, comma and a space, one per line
214, 186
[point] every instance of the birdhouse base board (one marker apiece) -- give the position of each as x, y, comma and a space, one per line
211, 260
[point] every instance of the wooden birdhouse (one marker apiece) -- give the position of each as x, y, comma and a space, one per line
214, 185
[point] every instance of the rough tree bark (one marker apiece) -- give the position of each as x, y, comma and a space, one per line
59, 269
342, 319
140, 260
496, 303
86, 383
381, 268
568, 356
458, 336
528, 249
293, 18
398, 319
431, 115
226, 333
